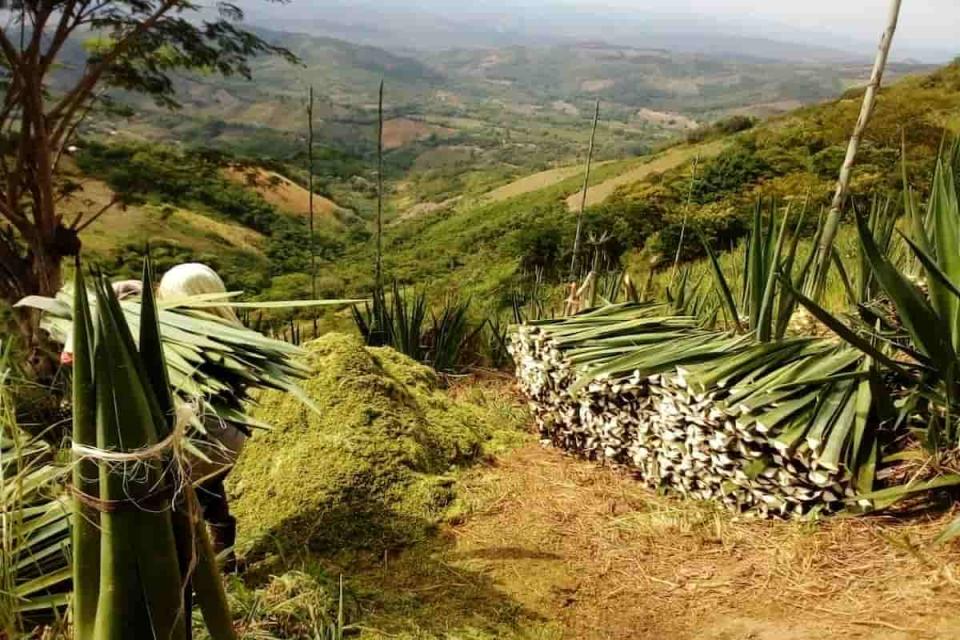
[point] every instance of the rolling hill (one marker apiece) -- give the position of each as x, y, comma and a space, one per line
465, 121
488, 243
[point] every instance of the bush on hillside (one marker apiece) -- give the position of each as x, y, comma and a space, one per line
722, 225
724, 126
729, 172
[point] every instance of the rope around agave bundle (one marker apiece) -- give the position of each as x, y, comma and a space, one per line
173, 444
167, 497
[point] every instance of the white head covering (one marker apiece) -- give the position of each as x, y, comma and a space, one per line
191, 279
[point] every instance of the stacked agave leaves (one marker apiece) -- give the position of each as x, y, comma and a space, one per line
764, 422
206, 357
139, 547
766, 428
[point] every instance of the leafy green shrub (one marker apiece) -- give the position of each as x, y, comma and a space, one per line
728, 172
542, 247
725, 126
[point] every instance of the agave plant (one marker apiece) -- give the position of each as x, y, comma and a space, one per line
451, 335
397, 322
918, 340
764, 307
34, 525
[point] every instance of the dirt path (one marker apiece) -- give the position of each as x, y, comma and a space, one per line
533, 182
670, 159
558, 548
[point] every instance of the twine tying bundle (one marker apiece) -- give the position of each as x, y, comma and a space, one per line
172, 445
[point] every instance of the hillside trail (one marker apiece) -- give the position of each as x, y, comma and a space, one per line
665, 161
567, 549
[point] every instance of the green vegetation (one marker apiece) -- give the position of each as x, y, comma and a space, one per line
34, 556
379, 456
488, 249
133, 46
168, 177
133, 558
722, 390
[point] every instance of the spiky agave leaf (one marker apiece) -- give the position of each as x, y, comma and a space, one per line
86, 522
34, 523
205, 356
140, 580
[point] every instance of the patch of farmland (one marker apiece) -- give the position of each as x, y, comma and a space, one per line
283, 193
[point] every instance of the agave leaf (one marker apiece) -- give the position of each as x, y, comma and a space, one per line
945, 227
927, 329
764, 326
845, 332
844, 277
933, 269
755, 273
950, 533
886, 498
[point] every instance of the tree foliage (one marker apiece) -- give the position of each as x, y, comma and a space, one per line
131, 45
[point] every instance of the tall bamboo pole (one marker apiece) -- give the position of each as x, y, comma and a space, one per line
583, 196
832, 224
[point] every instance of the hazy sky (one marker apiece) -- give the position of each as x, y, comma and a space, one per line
923, 23
928, 28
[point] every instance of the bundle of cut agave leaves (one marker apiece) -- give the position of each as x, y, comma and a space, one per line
139, 546
207, 357
34, 526
764, 422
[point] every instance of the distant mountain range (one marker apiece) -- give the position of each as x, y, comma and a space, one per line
438, 25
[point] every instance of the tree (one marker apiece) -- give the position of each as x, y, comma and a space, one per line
131, 45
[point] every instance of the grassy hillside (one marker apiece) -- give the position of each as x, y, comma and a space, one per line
487, 246
461, 122
484, 235
201, 207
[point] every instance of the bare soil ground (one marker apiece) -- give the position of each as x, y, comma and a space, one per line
399, 132
553, 547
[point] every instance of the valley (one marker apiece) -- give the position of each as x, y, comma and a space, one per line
459, 360
483, 147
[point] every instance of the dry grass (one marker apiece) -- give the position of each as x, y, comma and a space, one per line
667, 119
533, 182
399, 132
603, 557
283, 193
667, 160
139, 223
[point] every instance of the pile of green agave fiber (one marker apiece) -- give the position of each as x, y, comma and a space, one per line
374, 469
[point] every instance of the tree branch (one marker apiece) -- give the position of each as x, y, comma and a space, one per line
67, 107
113, 202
